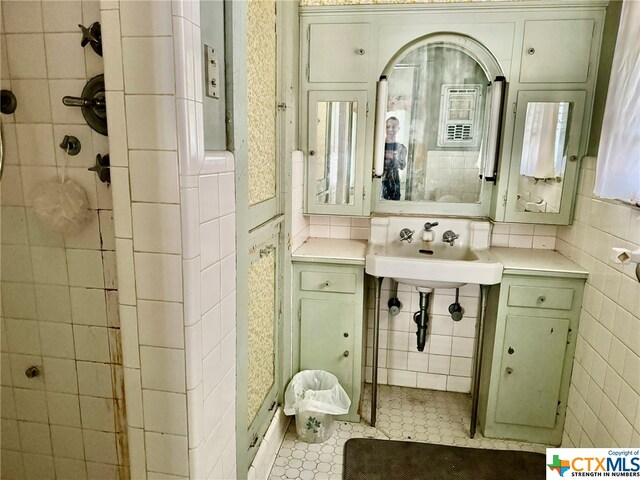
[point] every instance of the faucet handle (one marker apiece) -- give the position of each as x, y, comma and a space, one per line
429, 225
406, 234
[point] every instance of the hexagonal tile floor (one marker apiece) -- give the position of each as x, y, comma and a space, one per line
403, 414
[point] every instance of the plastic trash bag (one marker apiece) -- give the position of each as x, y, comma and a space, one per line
61, 206
315, 397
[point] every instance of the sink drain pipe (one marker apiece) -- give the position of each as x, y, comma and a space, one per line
421, 318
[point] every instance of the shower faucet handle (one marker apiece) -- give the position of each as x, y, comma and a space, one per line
92, 36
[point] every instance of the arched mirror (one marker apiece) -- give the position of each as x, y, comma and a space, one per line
437, 127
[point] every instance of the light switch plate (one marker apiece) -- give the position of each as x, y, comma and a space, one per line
213, 72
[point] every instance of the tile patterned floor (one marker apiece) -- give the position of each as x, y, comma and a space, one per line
403, 414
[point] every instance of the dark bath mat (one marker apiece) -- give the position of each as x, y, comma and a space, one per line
371, 459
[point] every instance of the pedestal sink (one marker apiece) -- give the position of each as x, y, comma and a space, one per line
432, 264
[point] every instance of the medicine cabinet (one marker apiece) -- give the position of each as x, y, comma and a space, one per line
336, 137
443, 64
544, 159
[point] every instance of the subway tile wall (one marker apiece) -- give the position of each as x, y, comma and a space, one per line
604, 397
60, 297
175, 239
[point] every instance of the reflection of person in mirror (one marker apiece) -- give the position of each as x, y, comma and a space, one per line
395, 159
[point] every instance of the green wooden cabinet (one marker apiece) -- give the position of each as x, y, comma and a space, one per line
530, 332
329, 302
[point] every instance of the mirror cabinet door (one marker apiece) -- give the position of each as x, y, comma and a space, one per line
336, 138
437, 140
544, 158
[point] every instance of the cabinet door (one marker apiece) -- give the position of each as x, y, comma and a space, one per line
326, 338
556, 51
547, 146
531, 370
335, 169
338, 53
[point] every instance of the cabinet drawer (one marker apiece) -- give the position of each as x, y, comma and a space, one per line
328, 282
540, 297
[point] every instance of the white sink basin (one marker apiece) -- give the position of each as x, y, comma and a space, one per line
432, 264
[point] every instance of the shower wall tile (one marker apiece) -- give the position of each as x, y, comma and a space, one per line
160, 324
154, 177
22, 17
148, 78
64, 58
151, 122
157, 404
158, 277
146, 19
156, 228
26, 55
61, 16
163, 137
112, 52
36, 144
34, 101
167, 453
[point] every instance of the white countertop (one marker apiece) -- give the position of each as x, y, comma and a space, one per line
536, 260
514, 260
334, 250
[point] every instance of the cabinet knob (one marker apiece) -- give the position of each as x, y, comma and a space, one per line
509, 370
327, 283
360, 51
312, 153
531, 50
573, 158
541, 299
345, 334
346, 353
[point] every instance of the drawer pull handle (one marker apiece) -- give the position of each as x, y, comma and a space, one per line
541, 299
346, 353
327, 283
509, 370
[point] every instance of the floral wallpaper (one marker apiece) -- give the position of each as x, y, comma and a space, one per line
261, 342
261, 85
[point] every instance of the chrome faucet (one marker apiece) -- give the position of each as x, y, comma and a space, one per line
450, 237
406, 234
428, 235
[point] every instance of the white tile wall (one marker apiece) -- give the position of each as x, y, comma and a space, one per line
54, 313
175, 229
604, 398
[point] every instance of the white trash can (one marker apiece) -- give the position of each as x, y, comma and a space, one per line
315, 397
